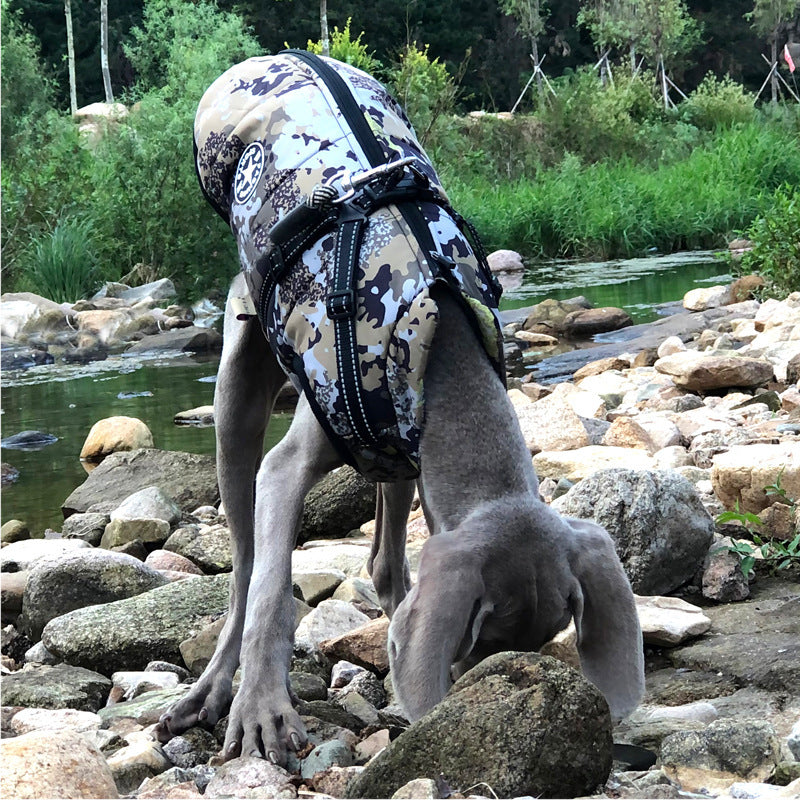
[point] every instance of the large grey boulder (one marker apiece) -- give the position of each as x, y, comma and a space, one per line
658, 523
189, 479
341, 502
59, 686
523, 723
128, 634
22, 555
187, 340
82, 578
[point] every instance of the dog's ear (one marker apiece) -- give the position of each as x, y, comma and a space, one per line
604, 610
436, 625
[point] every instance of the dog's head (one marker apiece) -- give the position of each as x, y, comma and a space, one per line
509, 578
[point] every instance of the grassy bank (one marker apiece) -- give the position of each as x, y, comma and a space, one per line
620, 208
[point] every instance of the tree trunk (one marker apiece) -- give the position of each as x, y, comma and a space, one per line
73, 95
664, 89
773, 60
323, 27
104, 50
633, 59
539, 85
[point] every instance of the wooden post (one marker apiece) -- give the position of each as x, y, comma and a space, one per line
73, 95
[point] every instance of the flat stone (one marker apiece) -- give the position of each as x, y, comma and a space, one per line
188, 478
349, 558
418, 788
575, 465
202, 416
27, 720
120, 532
667, 621
128, 634
705, 372
21, 556
148, 503
59, 686
146, 709
317, 585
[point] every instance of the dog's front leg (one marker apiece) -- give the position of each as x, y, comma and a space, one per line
263, 721
248, 382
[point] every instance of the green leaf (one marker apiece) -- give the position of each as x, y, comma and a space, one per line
747, 565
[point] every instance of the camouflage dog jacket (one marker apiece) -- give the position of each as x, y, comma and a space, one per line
267, 132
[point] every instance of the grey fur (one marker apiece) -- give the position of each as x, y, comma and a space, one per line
502, 572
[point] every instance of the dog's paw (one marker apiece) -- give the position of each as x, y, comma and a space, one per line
203, 705
264, 727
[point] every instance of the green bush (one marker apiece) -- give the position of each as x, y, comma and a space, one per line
718, 102
776, 242
424, 88
61, 263
351, 51
596, 121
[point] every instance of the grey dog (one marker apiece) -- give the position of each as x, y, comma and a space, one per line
502, 571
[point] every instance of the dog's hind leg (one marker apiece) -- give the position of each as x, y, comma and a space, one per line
263, 721
248, 382
387, 563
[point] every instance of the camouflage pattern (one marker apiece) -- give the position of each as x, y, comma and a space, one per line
267, 132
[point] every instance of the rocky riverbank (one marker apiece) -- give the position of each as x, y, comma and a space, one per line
111, 618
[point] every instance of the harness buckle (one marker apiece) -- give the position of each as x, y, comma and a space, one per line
341, 304
351, 183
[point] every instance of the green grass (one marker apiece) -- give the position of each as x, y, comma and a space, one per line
620, 208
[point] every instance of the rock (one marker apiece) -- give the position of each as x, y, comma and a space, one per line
338, 504
133, 684
121, 532
12, 592
418, 788
575, 465
667, 621
331, 618
60, 686
172, 562
627, 432
349, 558
768, 623
149, 503
127, 634
551, 424
308, 687
743, 472
360, 591
174, 784
505, 261
193, 747
250, 777
600, 366
366, 684
190, 479
138, 761
588, 322
512, 722
199, 647
82, 578
727, 750
365, 646
47, 764
343, 672
371, 745
14, 531
146, 709
8, 474
115, 434
548, 316
202, 416
673, 457
20, 556
703, 372
39, 654
27, 720
670, 346
160, 290
657, 521
191, 339
88, 527
317, 585
793, 742
207, 546
708, 297
532, 339
324, 756
723, 579
333, 781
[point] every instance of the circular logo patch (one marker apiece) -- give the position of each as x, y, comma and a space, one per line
249, 171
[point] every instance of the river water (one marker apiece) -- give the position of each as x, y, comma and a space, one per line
67, 400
